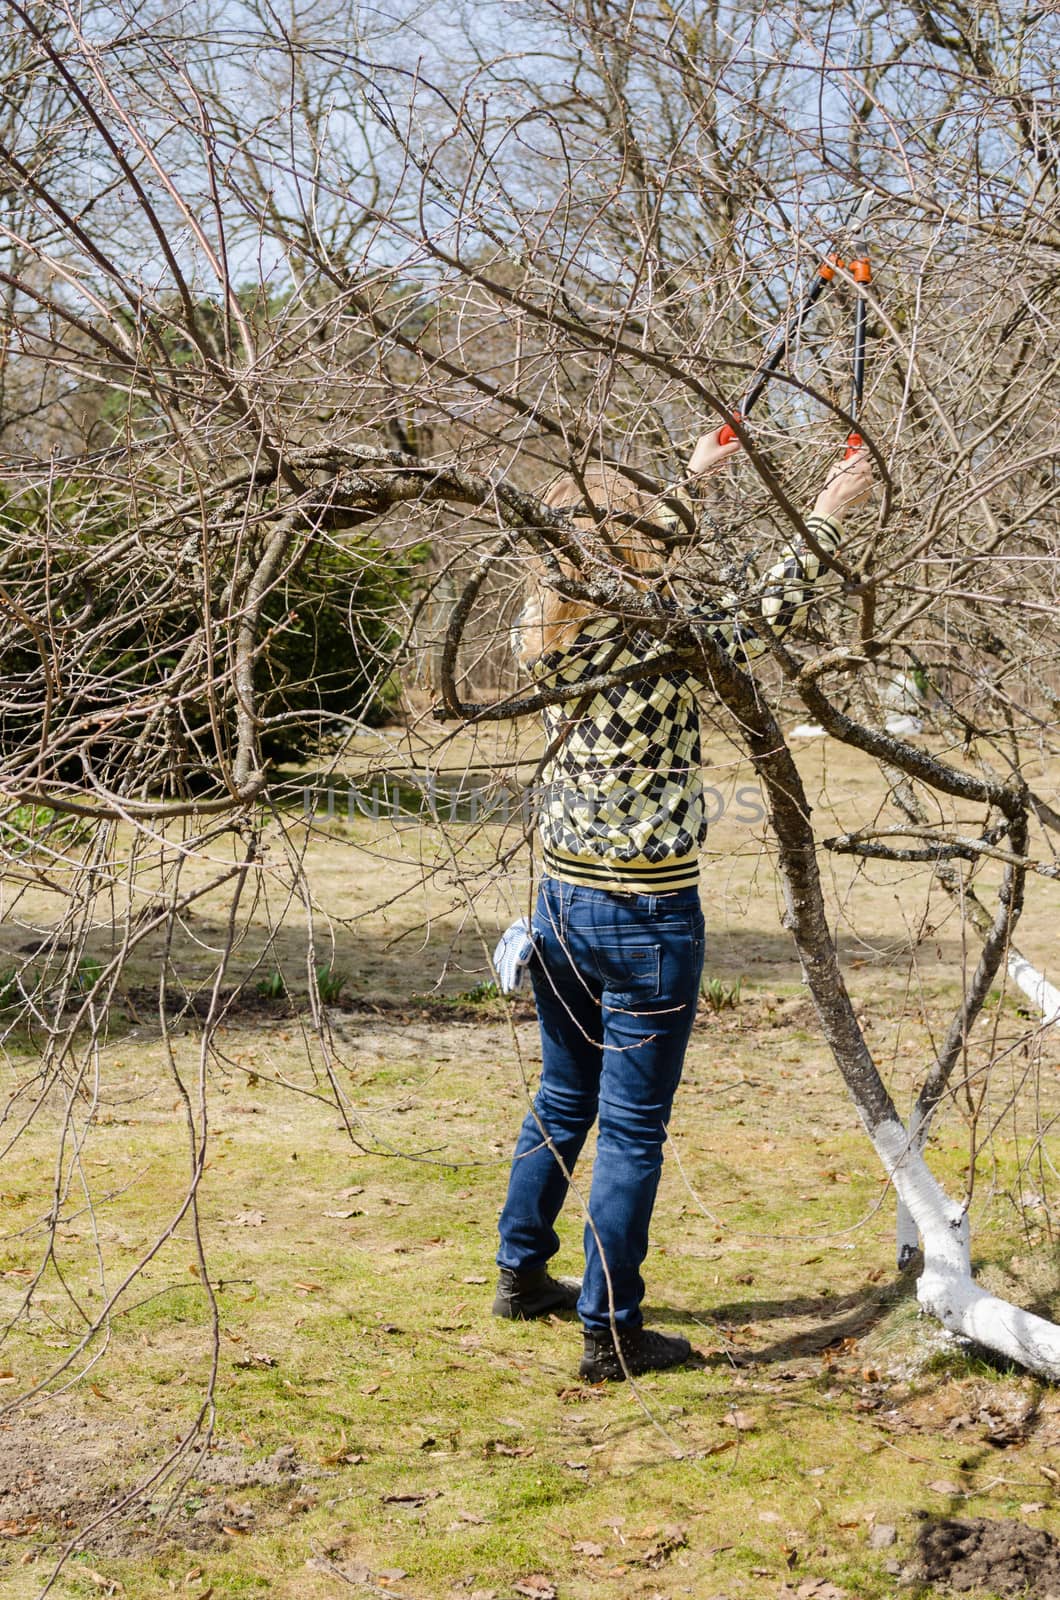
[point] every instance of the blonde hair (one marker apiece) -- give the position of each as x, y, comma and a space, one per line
550, 620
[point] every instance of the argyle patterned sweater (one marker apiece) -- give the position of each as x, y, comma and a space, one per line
621, 804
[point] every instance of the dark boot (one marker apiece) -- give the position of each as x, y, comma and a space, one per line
643, 1350
523, 1295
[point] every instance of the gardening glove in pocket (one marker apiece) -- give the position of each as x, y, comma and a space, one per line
513, 955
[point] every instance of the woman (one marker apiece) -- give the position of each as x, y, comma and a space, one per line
618, 930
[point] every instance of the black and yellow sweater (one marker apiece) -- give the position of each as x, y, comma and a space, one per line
622, 793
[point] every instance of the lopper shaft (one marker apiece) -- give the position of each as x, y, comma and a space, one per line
823, 276
861, 272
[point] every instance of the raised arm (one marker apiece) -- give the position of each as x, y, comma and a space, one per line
786, 590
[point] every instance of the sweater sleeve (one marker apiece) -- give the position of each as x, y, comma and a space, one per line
738, 622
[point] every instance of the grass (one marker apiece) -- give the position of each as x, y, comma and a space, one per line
432, 1440
354, 1288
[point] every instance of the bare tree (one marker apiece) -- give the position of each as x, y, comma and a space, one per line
281, 305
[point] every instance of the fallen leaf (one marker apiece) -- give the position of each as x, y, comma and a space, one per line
255, 1359
390, 1575
944, 1486
476, 1277
248, 1219
342, 1216
410, 1497
537, 1586
192, 1577
308, 1288
741, 1420
720, 1448
111, 1585
586, 1547
499, 1448
673, 1538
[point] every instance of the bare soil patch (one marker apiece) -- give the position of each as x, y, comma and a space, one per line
243, 1001
1003, 1557
62, 1473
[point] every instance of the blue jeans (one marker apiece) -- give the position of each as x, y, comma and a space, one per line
616, 979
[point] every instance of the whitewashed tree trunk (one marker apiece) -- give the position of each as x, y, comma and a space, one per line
946, 1288
907, 1234
996, 933
1043, 995
1045, 998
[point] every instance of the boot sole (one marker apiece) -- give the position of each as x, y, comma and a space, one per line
513, 1313
599, 1372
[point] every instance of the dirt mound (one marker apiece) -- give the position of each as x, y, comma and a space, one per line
1004, 1557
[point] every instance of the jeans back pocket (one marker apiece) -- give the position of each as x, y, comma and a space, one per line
630, 970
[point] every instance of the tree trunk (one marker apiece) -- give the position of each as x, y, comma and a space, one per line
946, 1288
